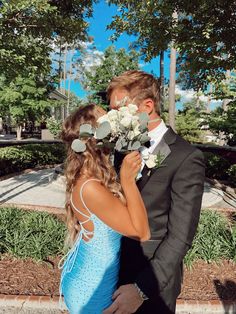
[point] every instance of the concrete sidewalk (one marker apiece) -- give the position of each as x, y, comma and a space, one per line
46, 305
47, 188
42, 187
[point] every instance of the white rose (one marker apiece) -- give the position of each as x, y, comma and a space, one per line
113, 115
132, 108
114, 127
137, 131
135, 121
151, 162
124, 110
126, 121
130, 135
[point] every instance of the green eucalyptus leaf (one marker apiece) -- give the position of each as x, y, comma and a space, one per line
78, 146
119, 145
144, 137
103, 130
143, 118
86, 130
134, 145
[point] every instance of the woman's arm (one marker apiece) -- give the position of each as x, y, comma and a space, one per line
131, 219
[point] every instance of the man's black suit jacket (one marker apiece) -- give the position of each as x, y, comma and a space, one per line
172, 195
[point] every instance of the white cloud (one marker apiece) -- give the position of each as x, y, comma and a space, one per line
190, 94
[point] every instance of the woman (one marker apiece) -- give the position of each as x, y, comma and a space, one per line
99, 212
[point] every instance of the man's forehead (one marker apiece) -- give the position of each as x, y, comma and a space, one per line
119, 93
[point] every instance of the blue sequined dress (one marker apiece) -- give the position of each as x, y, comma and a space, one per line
90, 271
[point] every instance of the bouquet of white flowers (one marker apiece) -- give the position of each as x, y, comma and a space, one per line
124, 129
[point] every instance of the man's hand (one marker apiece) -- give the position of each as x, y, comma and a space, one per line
126, 301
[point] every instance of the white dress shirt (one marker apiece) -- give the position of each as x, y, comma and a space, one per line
155, 138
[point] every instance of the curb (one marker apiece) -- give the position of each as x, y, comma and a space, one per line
206, 307
46, 303
39, 208
183, 306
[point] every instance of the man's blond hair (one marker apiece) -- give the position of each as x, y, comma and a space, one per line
139, 85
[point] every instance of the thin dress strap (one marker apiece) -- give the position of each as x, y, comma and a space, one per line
83, 202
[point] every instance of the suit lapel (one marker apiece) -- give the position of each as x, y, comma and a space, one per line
163, 150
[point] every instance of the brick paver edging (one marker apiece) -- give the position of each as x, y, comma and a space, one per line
183, 306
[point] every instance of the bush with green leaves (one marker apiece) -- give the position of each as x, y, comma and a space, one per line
232, 174
215, 239
217, 167
54, 126
18, 158
30, 234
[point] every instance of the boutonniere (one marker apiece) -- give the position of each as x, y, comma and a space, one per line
154, 161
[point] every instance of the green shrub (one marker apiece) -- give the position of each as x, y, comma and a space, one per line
215, 239
216, 166
18, 158
30, 234
54, 126
232, 174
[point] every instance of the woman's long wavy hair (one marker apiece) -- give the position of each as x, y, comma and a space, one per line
93, 163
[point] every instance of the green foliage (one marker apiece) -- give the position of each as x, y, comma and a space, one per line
18, 158
215, 239
25, 98
232, 174
189, 121
216, 166
74, 101
112, 63
54, 126
221, 121
29, 29
200, 34
30, 234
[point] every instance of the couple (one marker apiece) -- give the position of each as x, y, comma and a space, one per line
129, 237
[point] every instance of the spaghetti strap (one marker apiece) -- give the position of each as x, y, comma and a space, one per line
82, 200
77, 209
81, 194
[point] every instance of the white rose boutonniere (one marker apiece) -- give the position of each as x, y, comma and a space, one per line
153, 161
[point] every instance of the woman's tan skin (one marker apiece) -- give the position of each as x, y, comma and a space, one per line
129, 219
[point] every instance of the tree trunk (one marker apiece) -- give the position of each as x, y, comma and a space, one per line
226, 101
18, 132
69, 83
172, 80
208, 108
1, 125
162, 81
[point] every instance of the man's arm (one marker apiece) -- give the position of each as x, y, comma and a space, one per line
186, 196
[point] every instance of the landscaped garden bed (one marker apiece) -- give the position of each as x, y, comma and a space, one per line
31, 245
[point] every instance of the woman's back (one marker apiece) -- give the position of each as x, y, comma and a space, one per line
90, 271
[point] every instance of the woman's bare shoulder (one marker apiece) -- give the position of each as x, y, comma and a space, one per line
89, 186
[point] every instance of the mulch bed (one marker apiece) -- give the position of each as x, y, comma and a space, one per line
203, 282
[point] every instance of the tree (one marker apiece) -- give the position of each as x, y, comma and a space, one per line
29, 30
201, 35
206, 51
222, 120
96, 77
25, 99
189, 120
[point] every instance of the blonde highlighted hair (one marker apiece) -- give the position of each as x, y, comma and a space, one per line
139, 85
93, 163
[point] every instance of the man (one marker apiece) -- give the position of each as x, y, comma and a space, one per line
151, 272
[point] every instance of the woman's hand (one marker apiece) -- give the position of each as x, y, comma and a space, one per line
130, 166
